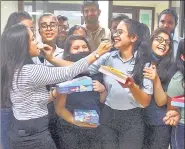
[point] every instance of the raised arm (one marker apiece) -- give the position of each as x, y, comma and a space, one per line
102, 49
42, 75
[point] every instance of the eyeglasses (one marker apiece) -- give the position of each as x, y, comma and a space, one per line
118, 32
63, 27
53, 26
161, 40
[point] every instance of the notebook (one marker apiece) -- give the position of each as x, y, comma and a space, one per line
114, 73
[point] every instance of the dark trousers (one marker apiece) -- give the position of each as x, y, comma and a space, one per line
52, 126
177, 137
157, 137
31, 134
73, 137
121, 129
6, 119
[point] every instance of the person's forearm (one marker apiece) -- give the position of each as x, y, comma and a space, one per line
59, 62
66, 115
159, 94
103, 96
140, 96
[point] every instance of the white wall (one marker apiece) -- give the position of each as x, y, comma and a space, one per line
104, 7
7, 7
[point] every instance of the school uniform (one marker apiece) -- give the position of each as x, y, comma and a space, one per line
121, 120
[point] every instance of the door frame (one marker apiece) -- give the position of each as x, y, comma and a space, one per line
133, 9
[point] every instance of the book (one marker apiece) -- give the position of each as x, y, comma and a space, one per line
114, 73
82, 84
178, 101
87, 116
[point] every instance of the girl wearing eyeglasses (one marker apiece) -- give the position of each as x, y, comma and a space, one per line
157, 134
24, 85
121, 122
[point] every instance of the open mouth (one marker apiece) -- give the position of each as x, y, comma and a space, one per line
161, 49
49, 35
116, 40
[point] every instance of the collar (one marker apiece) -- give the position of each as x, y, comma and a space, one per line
117, 54
58, 50
99, 28
175, 38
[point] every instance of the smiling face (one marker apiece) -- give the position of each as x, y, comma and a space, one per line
33, 45
121, 36
48, 28
161, 44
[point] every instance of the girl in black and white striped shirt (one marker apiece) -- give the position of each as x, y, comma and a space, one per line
26, 82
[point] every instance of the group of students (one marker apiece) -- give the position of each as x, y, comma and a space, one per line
134, 115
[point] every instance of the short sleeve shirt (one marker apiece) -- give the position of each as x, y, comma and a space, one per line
119, 98
176, 88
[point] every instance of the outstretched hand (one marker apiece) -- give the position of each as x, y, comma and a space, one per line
47, 51
104, 47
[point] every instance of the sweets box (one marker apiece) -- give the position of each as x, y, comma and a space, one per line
88, 116
82, 84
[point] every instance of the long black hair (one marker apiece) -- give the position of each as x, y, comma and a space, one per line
69, 41
164, 65
141, 50
14, 55
17, 17
180, 64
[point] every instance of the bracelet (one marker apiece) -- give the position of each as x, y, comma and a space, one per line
52, 94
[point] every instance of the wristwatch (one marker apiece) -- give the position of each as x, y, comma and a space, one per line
97, 55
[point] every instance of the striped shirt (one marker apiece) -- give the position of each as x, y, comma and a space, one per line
29, 95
